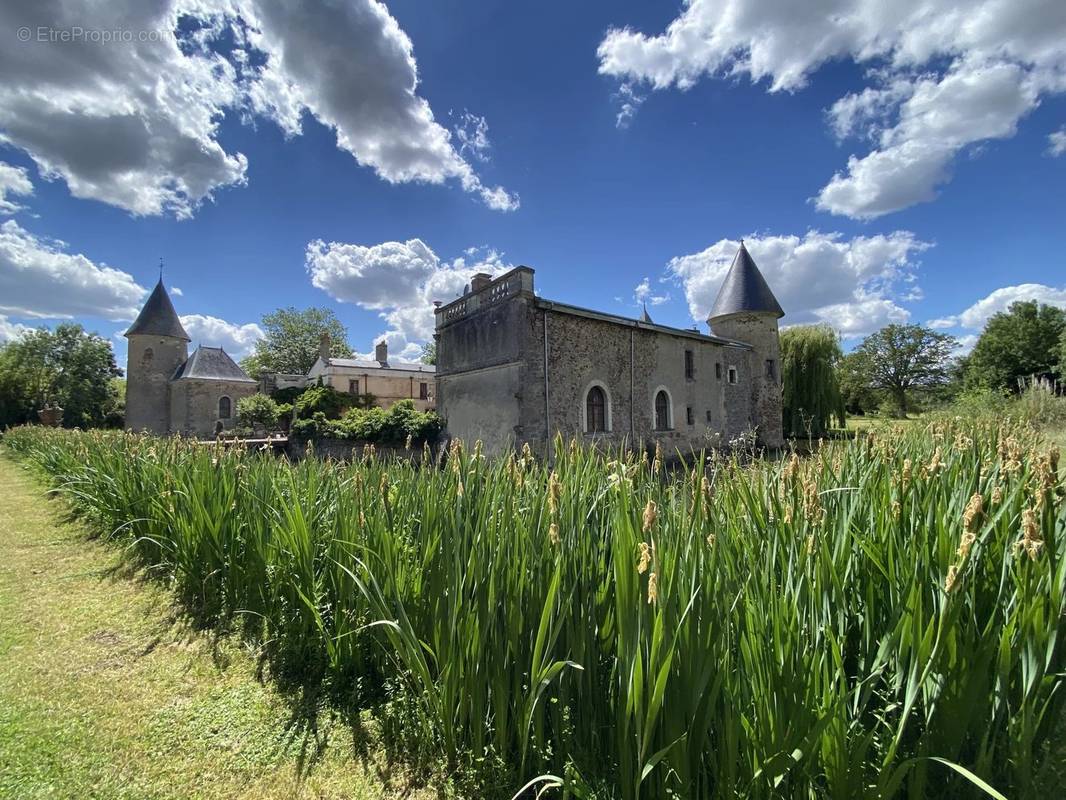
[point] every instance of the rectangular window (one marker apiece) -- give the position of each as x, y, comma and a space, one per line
353, 387
690, 415
423, 391
690, 365
708, 415
732, 374
718, 370
770, 371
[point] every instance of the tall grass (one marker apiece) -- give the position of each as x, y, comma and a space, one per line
882, 619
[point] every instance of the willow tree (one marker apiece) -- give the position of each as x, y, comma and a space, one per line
809, 356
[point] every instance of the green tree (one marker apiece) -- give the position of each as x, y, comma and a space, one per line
292, 340
811, 395
429, 353
856, 393
67, 367
1023, 341
902, 358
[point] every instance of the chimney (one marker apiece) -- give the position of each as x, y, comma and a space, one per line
480, 281
323, 347
381, 352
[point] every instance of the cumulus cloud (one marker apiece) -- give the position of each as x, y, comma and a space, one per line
643, 293
399, 280
237, 340
854, 284
944, 75
11, 330
1056, 142
978, 314
13, 181
135, 123
39, 278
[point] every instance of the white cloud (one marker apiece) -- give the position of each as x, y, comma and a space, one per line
11, 330
822, 277
39, 278
472, 132
947, 74
13, 180
237, 340
629, 102
978, 314
643, 294
943, 323
353, 68
1056, 142
135, 123
400, 280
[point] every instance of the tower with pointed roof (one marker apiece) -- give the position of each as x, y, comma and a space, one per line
747, 311
158, 346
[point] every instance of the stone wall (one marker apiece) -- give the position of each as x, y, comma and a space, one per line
194, 405
151, 362
299, 448
761, 331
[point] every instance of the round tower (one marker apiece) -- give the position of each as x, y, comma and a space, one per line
157, 346
747, 311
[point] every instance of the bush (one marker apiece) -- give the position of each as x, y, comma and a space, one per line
397, 425
322, 399
259, 409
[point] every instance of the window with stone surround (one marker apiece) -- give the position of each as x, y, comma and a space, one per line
225, 407
596, 410
662, 410
732, 374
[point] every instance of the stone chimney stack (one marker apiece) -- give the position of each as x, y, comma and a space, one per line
480, 281
381, 352
323, 347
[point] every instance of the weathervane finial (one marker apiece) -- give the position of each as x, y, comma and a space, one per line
160, 268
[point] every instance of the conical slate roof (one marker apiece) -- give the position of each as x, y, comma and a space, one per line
745, 290
158, 317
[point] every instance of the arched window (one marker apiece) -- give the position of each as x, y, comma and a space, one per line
596, 410
662, 411
225, 407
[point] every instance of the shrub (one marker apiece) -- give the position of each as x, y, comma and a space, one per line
322, 399
258, 409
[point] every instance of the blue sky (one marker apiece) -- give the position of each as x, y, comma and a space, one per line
216, 149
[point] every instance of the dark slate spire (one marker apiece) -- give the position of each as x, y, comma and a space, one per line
745, 290
645, 316
158, 317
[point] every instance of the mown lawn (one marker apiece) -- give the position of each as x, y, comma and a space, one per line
106, 693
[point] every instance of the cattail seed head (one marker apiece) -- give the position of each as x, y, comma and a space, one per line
950, 581
971, 517
644, 549
653, 588
553, 533
651, 513
997, 495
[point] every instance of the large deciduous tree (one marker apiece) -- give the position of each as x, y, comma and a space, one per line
901, 358
292, 340
67, 367
811, 395
1021, 342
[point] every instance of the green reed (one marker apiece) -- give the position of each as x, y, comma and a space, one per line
880, 619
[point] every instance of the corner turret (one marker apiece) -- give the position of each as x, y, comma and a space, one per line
747, 311
158, 346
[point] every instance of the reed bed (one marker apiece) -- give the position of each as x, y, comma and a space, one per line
881, 619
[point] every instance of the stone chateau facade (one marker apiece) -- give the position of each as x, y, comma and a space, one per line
514, 368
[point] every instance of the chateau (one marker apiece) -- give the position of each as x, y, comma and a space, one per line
514, 368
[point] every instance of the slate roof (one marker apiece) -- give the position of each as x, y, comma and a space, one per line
745, 290
212, 364
369, 363
158, 317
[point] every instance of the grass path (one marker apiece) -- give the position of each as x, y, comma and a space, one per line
106, 693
